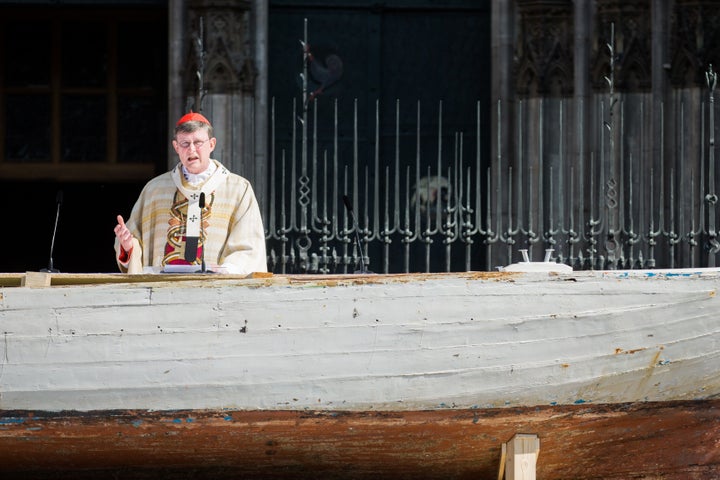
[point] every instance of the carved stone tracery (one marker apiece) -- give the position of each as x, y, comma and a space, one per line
631, 22
228, 63
544, 49
695, 41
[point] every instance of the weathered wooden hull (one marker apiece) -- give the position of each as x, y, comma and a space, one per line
393, 376
670, 440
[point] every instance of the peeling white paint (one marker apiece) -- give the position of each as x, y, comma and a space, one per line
378, 342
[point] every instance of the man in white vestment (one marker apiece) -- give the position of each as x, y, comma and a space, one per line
197, 213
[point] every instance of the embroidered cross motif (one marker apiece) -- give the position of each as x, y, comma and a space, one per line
193, 219
193, 196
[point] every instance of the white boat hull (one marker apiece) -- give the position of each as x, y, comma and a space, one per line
359, 343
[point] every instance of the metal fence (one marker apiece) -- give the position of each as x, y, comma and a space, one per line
398, 201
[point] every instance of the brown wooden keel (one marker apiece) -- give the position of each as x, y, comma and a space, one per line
669, 440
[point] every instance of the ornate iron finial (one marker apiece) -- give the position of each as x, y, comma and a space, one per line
322, 68
711, 78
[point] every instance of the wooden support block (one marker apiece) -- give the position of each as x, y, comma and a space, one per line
36, 280
503, 456
522, 453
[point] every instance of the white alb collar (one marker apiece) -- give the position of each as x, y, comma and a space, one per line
196, 179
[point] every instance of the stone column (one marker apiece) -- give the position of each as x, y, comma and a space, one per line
260, 36
660, 146
502, 98
176, 60
583, 15
226, 93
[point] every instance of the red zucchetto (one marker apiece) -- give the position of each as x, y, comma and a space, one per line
192, 116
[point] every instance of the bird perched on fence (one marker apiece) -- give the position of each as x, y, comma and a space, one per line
324, 70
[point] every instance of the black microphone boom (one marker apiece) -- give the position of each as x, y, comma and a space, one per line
58, 200
348, 206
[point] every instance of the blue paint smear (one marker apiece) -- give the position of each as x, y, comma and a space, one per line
177, 420
579, 401
228, 418
137, 423
659, 274
190, 420
11, 420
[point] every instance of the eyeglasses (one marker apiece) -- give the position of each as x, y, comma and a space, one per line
197, 143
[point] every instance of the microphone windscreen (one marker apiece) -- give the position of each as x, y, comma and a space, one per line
59, 197
347, 203
201, 202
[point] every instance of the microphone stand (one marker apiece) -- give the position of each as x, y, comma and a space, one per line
51, 269
348, 206
201, 204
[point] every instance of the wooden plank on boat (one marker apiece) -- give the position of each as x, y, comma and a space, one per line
503, 457
44, 279
666, 440
522, 453
36, 280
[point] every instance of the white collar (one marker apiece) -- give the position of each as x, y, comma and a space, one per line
196, 179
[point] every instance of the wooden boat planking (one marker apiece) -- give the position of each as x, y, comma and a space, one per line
670, 439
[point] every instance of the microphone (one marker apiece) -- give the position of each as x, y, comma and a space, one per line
348, 207
58, 200
201, 204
